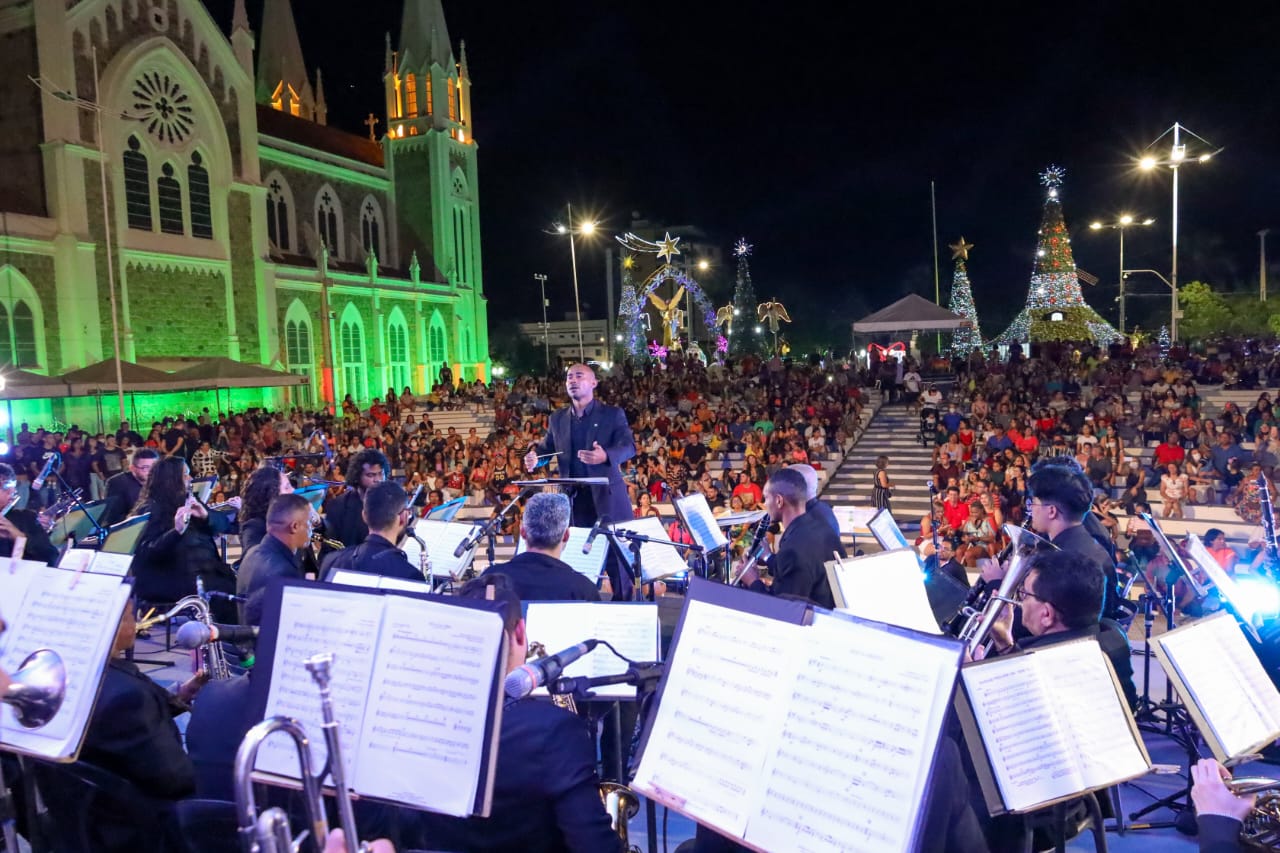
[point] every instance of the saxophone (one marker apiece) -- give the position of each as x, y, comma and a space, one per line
212, 659
424, 557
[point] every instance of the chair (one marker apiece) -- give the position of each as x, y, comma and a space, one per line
1059, 823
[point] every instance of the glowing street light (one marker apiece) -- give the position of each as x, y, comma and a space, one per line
1125, 220
586, 228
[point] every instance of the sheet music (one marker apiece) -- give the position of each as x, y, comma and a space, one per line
346, 577
734, 519
1097, 724
15, 578
588, 565
385, 582
701, 522
657, 560
857, 744
442, 538
853, 519
724, 700
106, 563
79, 623
632, 629
884, 527
1226, 680
316, 620
1226, 584
429, 699
77, 559
1030, 756
885, 587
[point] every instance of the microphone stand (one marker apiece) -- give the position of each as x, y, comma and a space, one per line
489, 529
635, 542
99, 531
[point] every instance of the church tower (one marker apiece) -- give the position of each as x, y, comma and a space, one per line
431, 155
282, 80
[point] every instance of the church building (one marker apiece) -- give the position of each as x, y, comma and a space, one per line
232, 220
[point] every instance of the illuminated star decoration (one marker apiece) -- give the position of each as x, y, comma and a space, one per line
960, 250
1051, 178
742, 247
628, 261
668, 244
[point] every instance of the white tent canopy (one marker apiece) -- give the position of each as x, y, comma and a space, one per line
909, 314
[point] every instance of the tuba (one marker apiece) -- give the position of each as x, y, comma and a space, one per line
212, 659
270, 831
979, 621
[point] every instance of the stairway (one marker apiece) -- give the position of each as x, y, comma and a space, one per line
893, 432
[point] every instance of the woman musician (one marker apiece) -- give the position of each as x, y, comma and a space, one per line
178, 544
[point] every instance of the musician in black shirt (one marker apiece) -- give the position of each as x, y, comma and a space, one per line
388, 517
124, 489
343, 515
16, 523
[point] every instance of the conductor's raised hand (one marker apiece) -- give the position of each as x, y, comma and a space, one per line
594, 456
531, 459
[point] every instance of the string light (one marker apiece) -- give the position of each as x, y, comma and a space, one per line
965, 339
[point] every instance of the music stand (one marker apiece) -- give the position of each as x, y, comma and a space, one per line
123, 538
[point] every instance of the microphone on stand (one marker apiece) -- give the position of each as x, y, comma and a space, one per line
537, 673
595, 531
50, 460
193, 635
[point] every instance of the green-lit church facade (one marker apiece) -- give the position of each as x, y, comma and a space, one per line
237, 215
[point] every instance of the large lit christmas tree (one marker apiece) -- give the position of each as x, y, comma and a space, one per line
965, 339
744, 339
1055, 309
630, 316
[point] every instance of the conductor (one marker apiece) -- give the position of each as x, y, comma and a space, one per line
591, 439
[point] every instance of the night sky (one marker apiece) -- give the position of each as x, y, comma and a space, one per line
815, 133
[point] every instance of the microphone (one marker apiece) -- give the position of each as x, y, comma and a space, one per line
537, 673
469, 542
193, 635
50, 460
595, 531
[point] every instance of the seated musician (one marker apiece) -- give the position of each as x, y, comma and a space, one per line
343, 519
177, 545
263, 486
1220, 814
288, 531
538, 573
387, 516
124, 489
546, 791
19, 523
1061, 599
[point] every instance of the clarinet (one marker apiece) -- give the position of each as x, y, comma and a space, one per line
759, 539
1272, 559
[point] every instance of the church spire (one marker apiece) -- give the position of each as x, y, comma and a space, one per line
282, 74
462, 63
424, 36
322, 108
242, 38
239, 18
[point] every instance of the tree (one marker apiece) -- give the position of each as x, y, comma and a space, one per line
1205, 312
964, 340
630, 322
744, 340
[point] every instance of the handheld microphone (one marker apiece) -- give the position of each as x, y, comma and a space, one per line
537, 673
193, 635
595, 531
50, 460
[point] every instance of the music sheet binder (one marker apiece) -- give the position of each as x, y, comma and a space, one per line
884, 587
417, 690
1233, 703
630, 627
1047, 725
442, 539
772, 712
884, 527
97, 562
588, 565
349, 577
696, 516
75, 615
657, 561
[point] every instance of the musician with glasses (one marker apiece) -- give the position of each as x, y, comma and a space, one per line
124, 489
17, 523
387, 516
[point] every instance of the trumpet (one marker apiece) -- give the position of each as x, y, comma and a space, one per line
979, 621
270, 831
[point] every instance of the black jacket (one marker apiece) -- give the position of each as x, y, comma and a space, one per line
1078, 540
344, 520
798, 567
545, 796
122, 496
270, 559
38, 546
538, 577
167, 563
375, 556
823, 510
222, 713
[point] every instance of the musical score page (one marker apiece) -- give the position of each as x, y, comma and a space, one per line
631, 628
77, 617
347, 577
656, 560
588, 565
442, 539
1226, 680
722, 705
1098, 726
1030, 756
885, 587
857, 744
316, 620
428, 702
701, 522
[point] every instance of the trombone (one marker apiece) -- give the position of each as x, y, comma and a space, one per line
270, 832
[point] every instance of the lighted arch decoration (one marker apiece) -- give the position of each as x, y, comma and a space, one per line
664, 274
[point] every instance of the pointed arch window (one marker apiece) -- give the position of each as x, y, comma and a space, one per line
169, 200
329, 220
18, 335
137, 186
453, 99
351, 339
278, 214
437, 347
370, 228
426, 90
398, 351
298, 353
410, 95
201, 202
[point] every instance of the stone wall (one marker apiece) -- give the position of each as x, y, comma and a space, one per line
175, 312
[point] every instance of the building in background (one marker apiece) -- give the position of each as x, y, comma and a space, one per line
242, 224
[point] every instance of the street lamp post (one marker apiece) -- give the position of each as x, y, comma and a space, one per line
1262, 264
1177, 157
546, 346
1121, 223
583, 228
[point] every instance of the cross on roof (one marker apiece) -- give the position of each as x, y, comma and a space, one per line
370, 123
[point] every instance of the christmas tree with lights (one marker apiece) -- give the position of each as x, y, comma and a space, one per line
1055, 309
968, 338
630, 314
744, 339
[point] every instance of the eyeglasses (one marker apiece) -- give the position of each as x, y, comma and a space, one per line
1021, 594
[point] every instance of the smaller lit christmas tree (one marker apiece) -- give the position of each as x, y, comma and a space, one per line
966, 339
743, 340
1164, 341
630, 314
